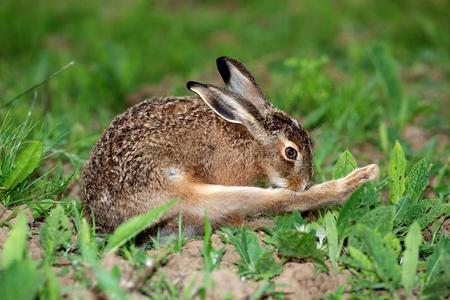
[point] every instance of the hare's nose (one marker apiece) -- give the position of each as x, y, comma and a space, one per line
304, 185
307, 184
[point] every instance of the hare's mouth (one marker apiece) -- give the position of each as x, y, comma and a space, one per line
308, 185
301, 189
277, 181
276, 186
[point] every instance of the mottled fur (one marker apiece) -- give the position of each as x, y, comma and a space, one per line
135, 155
207, 151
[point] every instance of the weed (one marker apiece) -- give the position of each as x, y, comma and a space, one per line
256, 261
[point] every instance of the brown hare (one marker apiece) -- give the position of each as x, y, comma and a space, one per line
207, 150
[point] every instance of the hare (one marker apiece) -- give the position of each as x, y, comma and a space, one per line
207, 150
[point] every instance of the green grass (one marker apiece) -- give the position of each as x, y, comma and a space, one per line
361, 75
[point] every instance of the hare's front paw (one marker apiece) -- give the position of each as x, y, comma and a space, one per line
361, 175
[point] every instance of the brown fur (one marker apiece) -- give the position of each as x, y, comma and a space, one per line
178, 147
134, 154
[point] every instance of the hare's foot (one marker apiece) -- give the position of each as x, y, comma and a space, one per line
359, 176
336, 191
351, 182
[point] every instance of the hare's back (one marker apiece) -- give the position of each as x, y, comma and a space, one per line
152, 135
160, 122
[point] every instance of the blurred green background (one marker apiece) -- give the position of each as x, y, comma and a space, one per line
360, 74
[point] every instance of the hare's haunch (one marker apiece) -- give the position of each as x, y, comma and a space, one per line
207, 150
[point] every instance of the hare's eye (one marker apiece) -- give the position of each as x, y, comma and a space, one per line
291, 153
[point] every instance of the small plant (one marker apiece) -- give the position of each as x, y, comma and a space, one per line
256, 261
56, 232
18, 159
298, 245
16, 263
344, 165
436, 283
383, 242
27, 160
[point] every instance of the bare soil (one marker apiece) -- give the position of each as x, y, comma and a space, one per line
299, 280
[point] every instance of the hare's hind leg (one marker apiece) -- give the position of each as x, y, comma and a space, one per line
227, 204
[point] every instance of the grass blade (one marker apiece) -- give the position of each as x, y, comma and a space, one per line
50, 77
86, 245
411, 257
207, 247
211, 256
15, 246
437, 282
334, 248
133, 226
52, 288
20, 281
397, 167
386, 67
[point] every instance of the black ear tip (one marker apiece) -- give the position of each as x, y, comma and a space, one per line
223, 68
221, 59
190, 84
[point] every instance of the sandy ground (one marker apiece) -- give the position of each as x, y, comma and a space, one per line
298, 280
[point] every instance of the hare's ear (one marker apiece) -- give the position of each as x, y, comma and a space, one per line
228, 105
239, 80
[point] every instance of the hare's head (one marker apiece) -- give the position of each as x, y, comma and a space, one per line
286, 147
